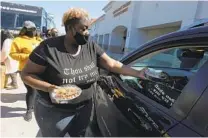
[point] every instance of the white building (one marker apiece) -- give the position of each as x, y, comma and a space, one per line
128, 24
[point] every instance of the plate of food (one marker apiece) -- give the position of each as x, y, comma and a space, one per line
64, 94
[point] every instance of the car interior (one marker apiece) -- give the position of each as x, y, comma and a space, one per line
166, 89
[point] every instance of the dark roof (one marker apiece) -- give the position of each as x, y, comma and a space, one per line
18, 4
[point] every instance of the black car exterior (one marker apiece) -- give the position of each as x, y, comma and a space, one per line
128, 106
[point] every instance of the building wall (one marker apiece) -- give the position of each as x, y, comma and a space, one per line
202, 10
110, 22
153, 13
116, 42
106, 41
133, 35
146, 20
100, 40
153, 33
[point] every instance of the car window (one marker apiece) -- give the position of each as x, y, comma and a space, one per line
169, 72
171, 58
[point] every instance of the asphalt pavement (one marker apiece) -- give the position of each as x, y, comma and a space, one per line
13, 108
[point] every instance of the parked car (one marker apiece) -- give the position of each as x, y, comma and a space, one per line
173, 105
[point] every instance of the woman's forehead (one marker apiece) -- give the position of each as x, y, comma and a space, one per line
84, 22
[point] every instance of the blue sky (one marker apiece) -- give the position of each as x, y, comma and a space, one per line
59, 7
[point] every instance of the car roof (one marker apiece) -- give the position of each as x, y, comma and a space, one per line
180, 35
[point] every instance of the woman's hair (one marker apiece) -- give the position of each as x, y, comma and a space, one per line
73, 15
22, 31
5, 35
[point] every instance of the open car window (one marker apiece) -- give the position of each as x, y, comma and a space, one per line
175, 67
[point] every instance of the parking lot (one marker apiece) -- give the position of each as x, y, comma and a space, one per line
13, 108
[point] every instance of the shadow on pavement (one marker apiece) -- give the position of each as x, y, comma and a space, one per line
39, 134
7, 112
11, 98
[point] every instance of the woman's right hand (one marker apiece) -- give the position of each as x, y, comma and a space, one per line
51, 88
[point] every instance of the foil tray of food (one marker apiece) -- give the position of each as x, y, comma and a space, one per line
65, 93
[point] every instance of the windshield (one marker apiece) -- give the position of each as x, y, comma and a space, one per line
7, 20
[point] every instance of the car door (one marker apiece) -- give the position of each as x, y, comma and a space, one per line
128, 106
197, 119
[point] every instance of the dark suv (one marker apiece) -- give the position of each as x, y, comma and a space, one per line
175, 105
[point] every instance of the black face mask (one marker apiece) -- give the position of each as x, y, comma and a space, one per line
81, 39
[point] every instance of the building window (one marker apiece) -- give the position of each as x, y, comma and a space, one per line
21, 18
7, 20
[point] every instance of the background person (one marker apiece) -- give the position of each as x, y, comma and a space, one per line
10, 64
38, 36
48, 33
21, 48
54, 32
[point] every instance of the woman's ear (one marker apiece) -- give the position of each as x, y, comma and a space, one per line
72, 30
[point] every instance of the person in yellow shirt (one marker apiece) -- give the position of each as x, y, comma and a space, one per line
21, 48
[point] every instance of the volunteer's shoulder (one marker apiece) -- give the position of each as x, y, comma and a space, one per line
18, 39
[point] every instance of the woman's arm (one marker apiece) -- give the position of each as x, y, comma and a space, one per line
29, 76
117, 67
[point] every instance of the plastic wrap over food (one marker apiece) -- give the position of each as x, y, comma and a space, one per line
65, 93
156, 75
153, 73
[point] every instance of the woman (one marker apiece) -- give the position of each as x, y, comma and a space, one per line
11, 65
68, 59
21, 48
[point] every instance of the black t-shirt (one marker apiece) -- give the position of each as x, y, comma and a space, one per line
64, 68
